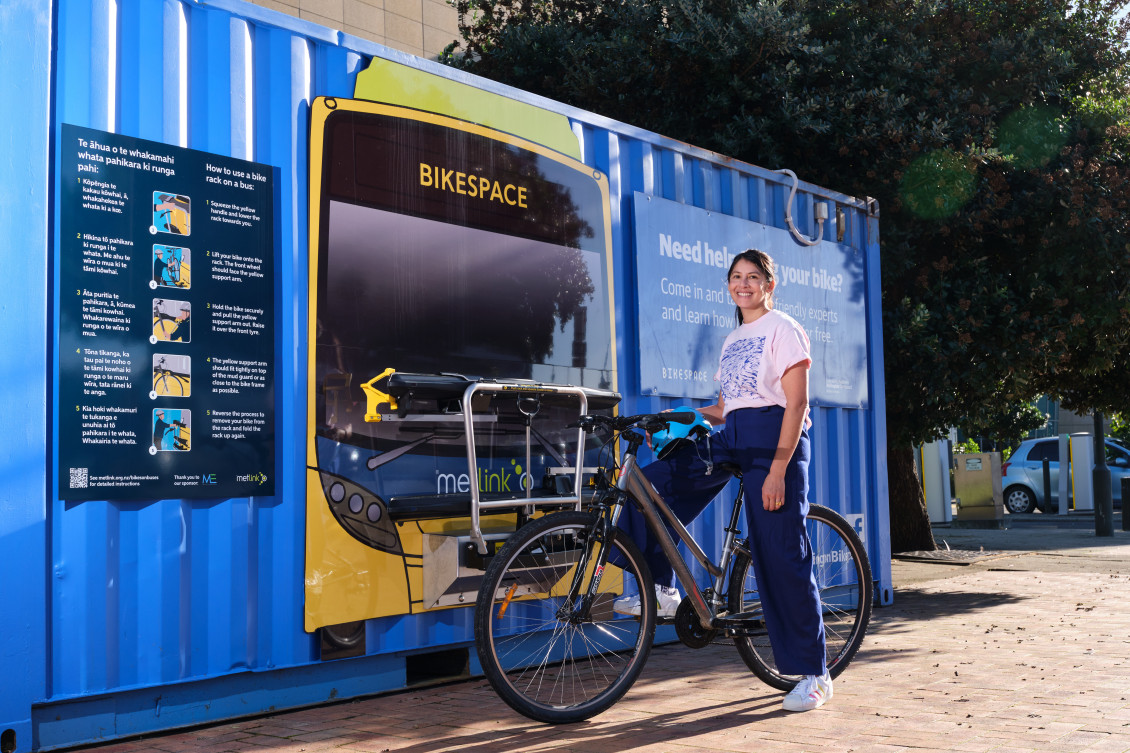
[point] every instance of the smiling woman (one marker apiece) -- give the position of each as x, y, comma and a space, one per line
752, 281
763, 404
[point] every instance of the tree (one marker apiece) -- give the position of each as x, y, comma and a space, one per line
992, 132
1093, 216
1120, 427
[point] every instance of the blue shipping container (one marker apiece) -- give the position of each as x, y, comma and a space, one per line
127, 617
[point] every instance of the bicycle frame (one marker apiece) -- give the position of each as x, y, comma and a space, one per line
633, 483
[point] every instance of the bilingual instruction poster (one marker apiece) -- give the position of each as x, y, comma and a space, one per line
683, 254
166, 321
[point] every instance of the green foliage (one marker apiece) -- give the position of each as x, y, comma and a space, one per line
1007, 424
938, 184
967, 447
1032, 136
1120, 427
995, 135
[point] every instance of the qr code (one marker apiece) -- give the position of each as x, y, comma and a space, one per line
79, 478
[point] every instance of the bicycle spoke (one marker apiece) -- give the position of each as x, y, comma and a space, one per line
842, 576
543, 657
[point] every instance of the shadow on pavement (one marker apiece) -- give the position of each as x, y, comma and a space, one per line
914, 603
604, 732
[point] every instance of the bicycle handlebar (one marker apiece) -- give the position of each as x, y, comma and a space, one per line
649, 422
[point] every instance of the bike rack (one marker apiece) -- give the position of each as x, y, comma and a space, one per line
400, 388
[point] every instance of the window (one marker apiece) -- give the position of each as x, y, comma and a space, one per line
1117, 456
1044, 451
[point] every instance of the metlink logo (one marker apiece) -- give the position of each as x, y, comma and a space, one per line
505, 480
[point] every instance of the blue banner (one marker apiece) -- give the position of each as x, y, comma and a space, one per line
685, 311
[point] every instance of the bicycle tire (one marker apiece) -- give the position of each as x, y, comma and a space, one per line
543, 666
843, 576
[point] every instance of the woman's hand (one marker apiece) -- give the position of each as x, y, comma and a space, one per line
773, 492
648, 433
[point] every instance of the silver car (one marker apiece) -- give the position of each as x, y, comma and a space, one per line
1022, 475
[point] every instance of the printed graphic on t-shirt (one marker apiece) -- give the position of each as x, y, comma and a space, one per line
740, 368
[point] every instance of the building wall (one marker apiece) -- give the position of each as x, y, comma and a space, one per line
1063, 421
1073, 423
419, 27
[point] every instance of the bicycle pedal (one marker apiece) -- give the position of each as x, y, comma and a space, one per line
743, 623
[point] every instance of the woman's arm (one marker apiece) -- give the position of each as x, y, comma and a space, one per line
794, 382
715, 413
712, 413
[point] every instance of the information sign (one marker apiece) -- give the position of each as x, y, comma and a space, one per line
685, 311
166, 321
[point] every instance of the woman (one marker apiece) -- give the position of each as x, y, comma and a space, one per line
763, 405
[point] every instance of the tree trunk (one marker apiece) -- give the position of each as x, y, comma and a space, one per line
910, 522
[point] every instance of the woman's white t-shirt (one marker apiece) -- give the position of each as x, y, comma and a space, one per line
756, 355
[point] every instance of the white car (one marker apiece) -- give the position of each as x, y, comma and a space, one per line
1022, 475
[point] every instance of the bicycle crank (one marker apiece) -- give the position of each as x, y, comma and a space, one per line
690, 629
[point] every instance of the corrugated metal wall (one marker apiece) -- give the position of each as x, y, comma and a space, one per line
151, 593
849, 445
154, 608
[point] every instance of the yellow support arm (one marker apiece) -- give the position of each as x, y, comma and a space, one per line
374, 397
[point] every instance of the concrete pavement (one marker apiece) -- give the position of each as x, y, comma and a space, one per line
1024, 648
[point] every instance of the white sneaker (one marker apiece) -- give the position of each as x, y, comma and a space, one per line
627, 605
810, 693
667, 601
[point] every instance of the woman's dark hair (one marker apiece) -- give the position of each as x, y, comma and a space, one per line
762, 261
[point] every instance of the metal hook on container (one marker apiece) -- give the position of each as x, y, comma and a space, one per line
821, 213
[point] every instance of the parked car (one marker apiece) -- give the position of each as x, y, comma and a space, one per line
1022, 475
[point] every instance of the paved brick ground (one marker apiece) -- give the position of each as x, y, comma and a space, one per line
1025, 651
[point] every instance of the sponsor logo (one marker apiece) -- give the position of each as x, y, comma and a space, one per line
512, 480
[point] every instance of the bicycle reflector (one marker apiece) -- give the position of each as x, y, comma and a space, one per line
676, 436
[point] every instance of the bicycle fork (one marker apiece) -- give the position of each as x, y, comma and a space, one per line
576, 606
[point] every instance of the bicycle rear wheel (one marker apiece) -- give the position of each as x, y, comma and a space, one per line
843, 576
546, 662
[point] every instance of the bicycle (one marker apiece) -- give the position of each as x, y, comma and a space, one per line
160, 317
547, 638
173, 274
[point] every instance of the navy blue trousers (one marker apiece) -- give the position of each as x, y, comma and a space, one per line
779, 543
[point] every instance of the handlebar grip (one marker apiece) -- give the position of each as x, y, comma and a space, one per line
680, 416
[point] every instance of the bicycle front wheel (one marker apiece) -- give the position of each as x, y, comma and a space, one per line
167, 386
545, 660
843, 577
